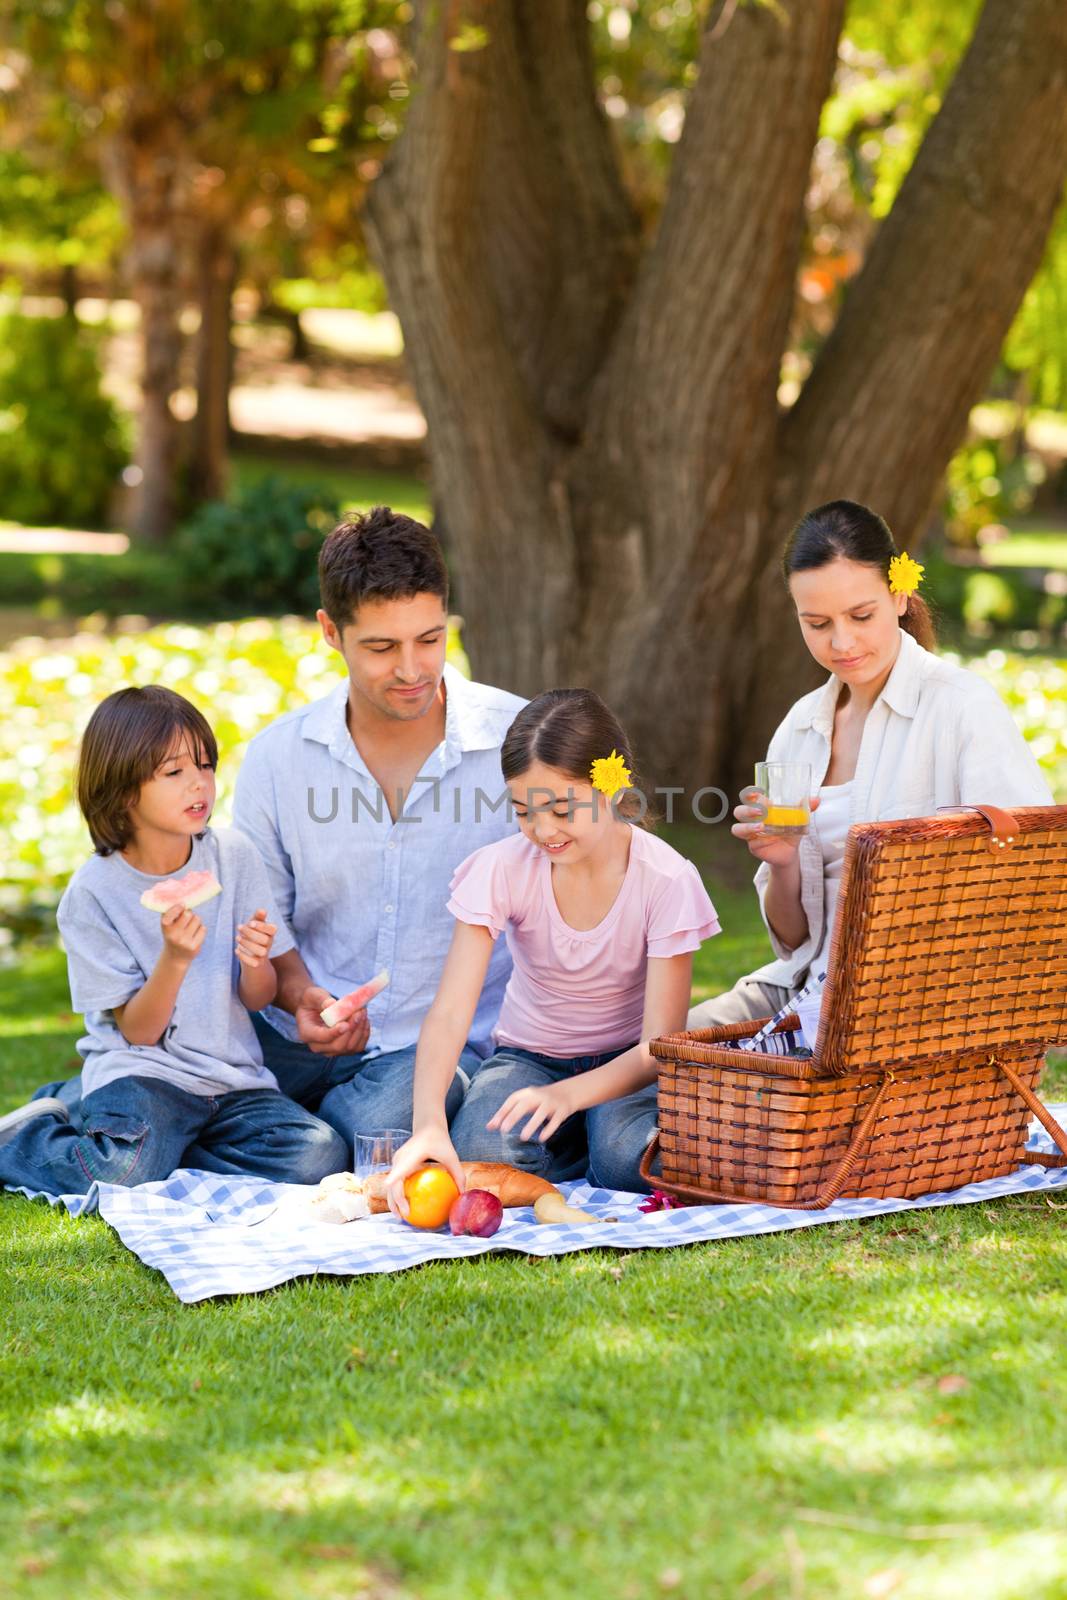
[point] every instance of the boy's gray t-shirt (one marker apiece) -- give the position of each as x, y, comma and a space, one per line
113, 944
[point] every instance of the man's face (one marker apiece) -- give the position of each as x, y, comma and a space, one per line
395, 653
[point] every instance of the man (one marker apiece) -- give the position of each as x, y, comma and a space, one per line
362, 805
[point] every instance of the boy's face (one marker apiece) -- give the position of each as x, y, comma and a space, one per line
179, 797
395, 654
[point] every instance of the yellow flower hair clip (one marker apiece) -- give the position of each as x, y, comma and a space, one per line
610, 774
905, 575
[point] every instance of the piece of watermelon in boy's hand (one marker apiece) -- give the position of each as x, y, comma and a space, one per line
357, 1000
254, 939
189, 890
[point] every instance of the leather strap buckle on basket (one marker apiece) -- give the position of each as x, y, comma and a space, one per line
947, 983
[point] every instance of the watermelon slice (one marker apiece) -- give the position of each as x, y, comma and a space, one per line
349, 1004
190, 890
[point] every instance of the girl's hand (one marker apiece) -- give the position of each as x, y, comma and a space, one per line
254, 939
776, 849
348, 1038
183, 934
429, 1144
546, 1106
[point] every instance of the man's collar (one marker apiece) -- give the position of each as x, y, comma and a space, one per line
469, 725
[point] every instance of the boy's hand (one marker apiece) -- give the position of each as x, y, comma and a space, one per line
254, 939
183, 934
344, 1039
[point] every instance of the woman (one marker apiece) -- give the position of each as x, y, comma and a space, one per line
895, 732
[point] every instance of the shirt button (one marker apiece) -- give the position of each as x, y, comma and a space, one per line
389, 910
392, 844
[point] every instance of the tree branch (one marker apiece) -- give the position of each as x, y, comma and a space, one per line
703, 339
923, 324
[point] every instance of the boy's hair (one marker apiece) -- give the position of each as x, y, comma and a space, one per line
127, 737
569, 729
378, 555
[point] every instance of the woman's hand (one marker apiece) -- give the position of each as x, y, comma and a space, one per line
183, 934
778, 850
546, 1106
254, 939
346, 1038
428, 1144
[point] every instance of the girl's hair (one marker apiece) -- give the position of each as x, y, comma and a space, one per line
845, 530
569, 729
127, 737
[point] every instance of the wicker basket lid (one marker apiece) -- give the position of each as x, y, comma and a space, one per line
946, 939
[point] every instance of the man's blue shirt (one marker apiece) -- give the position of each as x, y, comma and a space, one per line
362, 893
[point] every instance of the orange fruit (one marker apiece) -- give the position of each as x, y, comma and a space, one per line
430, 1193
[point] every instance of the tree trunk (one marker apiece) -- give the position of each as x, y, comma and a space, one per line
217, 264
604, 430
144, 167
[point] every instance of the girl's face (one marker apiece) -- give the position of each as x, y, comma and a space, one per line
565, 817
849, 619
179, 797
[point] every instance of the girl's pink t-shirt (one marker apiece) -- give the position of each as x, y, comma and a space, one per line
580, 991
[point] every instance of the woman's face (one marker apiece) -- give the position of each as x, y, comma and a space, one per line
849, 619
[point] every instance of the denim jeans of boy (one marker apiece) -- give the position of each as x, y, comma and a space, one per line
566, 1154
357, 1093
138, 1130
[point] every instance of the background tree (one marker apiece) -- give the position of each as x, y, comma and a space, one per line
182, 102
612, 461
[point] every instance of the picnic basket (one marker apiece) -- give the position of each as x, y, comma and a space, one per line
946, 985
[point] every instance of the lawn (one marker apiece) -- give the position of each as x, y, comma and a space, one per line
855, 1411
860, 1410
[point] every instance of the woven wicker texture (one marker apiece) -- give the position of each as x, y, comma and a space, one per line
947, 983
942, 943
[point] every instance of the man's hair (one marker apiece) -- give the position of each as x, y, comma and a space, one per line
127, 737
379, 555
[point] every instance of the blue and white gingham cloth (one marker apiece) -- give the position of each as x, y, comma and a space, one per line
210, 1235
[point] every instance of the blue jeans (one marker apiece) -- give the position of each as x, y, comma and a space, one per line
358, 1093
566, 1155
619, 1133
137, 1130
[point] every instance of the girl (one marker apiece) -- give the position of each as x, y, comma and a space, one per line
601, 919
172, 1070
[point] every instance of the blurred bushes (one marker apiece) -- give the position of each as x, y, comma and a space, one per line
62, 441
259, 552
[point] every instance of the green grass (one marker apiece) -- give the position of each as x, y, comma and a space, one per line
849, 1411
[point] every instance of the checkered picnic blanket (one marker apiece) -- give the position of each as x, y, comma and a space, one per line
212, 1235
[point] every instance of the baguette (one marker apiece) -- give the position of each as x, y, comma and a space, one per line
511, 1185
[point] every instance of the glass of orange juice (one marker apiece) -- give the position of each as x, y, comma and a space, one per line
786, 790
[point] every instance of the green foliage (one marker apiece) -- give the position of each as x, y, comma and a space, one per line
259, 551
62, 443
989, 481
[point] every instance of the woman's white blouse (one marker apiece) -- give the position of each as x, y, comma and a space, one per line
937, 735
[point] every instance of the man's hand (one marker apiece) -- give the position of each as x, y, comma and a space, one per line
254, 939
183, 934
429, 1144
345, 1039
547, 1106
